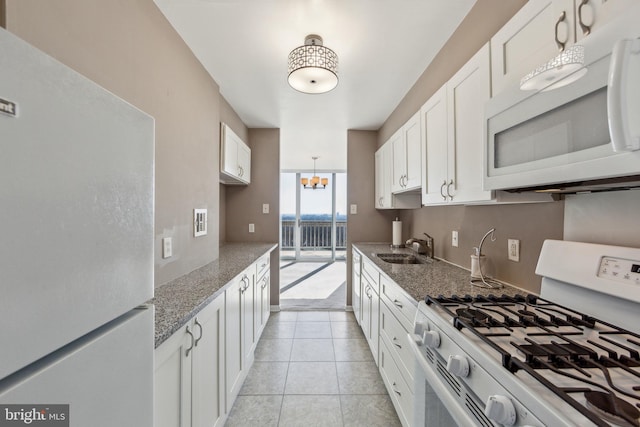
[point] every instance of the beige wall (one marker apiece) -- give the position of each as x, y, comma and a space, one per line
130, 49
244, 203
369, 224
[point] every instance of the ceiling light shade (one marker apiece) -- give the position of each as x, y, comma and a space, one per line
562, 70
313, 68
315, 181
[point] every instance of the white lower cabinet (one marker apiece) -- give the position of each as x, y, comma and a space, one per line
189, 369
239, 332
370, 307
387, 313
401, 394
263, 294
200, 369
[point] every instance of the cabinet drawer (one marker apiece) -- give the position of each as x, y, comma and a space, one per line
403, 306
401, 395
396, 337
262, 266
373, 275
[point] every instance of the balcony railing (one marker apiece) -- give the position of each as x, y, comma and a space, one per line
314, 235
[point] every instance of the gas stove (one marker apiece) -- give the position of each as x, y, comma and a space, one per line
530, 360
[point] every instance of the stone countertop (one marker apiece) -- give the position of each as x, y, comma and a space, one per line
434, 278
177, 301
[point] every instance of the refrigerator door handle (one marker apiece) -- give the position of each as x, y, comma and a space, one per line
192, 342
200, 336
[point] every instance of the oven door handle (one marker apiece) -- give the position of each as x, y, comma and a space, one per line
453, 405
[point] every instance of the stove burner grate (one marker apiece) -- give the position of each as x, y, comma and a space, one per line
476, 316
613, 408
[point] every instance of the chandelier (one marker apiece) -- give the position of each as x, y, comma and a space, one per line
315, 181
313, 68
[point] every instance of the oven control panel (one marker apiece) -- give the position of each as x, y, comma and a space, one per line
620, 270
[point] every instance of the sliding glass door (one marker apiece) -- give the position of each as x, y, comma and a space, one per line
313, 221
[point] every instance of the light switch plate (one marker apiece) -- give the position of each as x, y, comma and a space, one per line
454, 238
354, 209
167, 249
265, 208
252, 228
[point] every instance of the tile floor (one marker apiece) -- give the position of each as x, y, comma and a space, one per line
313, 368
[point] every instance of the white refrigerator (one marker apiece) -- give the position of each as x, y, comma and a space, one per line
76, 247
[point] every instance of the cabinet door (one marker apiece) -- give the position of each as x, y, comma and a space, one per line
264, 303
399, 161
356, 286
528, 40
244, 162
208, 392
234, 360
413, 153
593, 14
467, 92
383, 167
172, 381
229, 155
248, 324
434, 144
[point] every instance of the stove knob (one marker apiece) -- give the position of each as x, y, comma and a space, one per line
420, 327
458, 365
501, 410
431, 339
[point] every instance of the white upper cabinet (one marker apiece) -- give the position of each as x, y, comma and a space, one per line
540, 30
435, 145
407, 157
235, 158
383, 177
384, 198
453, 125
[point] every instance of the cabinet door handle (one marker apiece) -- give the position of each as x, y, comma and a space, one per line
395, 343
560, 20
265, 282
442, 188
448, 193
586, 29
195, 344
393, 386
397, 303
192, 342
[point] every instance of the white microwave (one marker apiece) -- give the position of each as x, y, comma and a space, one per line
587, 132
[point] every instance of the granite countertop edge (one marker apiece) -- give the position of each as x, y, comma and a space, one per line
434, 277
179, 300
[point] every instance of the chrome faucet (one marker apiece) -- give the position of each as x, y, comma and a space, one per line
422, 246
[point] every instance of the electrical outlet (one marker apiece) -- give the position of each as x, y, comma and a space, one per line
513, 246
265, 208
454, 238
167, 250
354, 209
199, 222
252, 228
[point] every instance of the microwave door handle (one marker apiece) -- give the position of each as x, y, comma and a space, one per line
617, 93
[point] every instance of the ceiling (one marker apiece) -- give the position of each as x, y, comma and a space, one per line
383, 47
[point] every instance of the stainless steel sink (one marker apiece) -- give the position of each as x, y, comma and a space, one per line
400, 258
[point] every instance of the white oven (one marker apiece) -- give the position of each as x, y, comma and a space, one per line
569, 357
536, 140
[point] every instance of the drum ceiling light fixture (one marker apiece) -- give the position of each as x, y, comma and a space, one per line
313, 68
